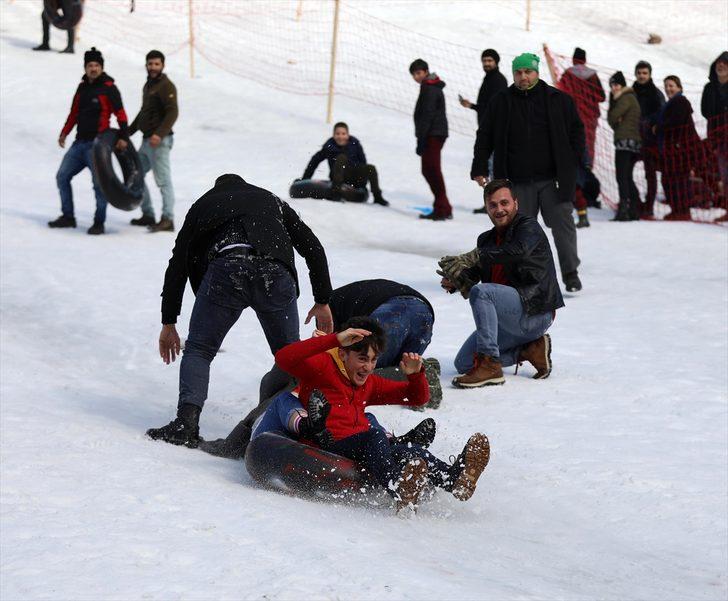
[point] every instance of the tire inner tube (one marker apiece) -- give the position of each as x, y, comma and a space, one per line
321, 189
125, 195
64, 14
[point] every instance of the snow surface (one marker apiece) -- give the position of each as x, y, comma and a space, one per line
608, 480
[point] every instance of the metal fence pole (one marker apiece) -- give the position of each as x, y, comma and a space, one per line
332, 69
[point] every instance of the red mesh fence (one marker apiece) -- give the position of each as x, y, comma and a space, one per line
286, 44
678, 174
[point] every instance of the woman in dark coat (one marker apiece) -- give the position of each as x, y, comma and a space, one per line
680, 148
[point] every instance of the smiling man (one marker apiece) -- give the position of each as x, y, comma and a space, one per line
510, 280
337, 369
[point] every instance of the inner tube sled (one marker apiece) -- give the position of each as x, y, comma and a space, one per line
321, 189
281, 463
125, 195
64, 14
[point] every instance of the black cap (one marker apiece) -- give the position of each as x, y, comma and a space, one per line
618, 77
492, 54
93, 56
579, 54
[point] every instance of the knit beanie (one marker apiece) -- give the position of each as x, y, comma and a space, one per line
579, 55
618, 77
525, 61
93, 56
492, 54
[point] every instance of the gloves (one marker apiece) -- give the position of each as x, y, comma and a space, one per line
313, 426
421, 144
454, 267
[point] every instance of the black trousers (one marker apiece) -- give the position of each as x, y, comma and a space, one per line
355, 175
624, 162
47, 32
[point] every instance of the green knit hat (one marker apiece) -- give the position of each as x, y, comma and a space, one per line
525, 61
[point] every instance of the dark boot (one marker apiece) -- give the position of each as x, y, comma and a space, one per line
634, 209
538, 353
42, 47
164, 225
435, 217
381, 201
66, 50
622, 211
96, 229
583, 219
313, 426
480, 211
232, 447
183, 430
63, 221
468, 466
145, 220
572, 282
422, 434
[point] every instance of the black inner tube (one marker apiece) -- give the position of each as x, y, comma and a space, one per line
125, 195
64, 14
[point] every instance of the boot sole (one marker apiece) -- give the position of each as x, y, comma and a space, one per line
414, 478
543, 376
492, 382
477, 456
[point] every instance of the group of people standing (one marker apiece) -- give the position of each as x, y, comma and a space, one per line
96, 99
659, 130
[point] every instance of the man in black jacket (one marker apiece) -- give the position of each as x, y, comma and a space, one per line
714, 107
431, 132
651, 101
493, 82
510, 280
537, 139
236, 250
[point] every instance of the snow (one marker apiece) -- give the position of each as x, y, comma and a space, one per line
608, 480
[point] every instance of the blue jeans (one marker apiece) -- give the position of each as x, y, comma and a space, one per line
157, 159
278, 415
230, 285
502, 326
77, 158
407, 322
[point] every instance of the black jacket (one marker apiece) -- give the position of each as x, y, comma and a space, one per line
363, 297
493, 82
92, 107
651, 102
330, 150
430, 117
500, 127
714, 103
527, 261
272, 228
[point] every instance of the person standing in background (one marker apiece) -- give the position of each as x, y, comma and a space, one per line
493, 82
714, 107
155, 120
431, 132
45, 44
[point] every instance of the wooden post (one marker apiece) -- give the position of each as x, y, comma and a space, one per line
332, 69
299, 10
528, 15
551, 64
190, 15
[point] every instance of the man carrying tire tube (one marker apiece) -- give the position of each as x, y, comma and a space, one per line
236, 249
347, 165
45, 44
336, 381
95, 100
155, 120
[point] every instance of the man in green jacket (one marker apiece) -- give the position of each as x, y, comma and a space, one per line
155, 120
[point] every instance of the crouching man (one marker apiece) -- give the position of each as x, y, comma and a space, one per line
335, 371
510, 280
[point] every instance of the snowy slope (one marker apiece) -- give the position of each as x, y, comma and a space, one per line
608, 480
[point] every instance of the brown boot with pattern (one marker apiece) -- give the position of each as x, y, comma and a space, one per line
164, 225
411, 484
538, 354
469, 465
486, 371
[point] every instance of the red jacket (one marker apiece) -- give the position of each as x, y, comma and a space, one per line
92, 107
316, 365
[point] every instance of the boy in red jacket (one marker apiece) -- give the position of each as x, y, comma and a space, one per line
340, 366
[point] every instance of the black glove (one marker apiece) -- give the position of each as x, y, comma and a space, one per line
421, 143
313, 426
